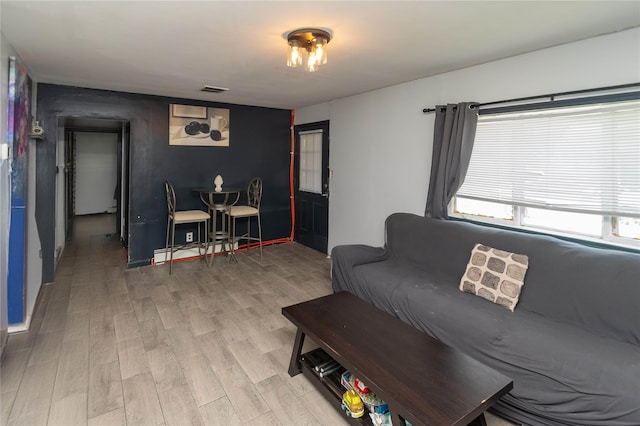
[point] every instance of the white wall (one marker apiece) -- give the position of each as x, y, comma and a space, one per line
381, 141
96, 172
313, 113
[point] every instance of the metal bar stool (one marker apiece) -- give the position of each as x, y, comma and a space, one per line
252, 209
180, 217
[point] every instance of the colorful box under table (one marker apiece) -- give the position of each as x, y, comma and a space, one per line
370, 399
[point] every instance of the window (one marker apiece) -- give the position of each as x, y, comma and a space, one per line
310, 178
573, 170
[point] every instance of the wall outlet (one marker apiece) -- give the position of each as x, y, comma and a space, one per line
189, 237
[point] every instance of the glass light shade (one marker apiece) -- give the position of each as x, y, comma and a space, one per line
312, 40
320, 47
312, 62
294, 58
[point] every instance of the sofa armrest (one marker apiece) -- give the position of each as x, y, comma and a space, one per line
345, 257
358, 254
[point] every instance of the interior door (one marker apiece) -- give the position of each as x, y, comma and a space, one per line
69, 180
124, 185
311, 182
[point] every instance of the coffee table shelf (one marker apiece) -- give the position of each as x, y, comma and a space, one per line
329, 386
421, 379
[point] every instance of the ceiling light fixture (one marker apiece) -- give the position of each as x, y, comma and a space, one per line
314, 41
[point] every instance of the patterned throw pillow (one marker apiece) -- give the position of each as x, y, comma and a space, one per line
495, 275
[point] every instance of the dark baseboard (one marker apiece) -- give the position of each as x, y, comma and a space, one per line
137, 263
4, 336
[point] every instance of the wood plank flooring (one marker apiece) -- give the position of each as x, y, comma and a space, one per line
115, 346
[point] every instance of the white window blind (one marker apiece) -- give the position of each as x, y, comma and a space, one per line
310, 175
580, 159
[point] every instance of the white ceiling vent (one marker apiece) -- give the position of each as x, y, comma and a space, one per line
214, 89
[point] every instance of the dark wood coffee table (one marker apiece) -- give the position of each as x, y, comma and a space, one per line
421, 379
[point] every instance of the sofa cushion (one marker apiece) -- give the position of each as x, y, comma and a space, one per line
495, 275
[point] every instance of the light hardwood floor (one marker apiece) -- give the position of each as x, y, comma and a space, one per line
115, 346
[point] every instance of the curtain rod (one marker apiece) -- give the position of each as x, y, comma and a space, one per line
551, 96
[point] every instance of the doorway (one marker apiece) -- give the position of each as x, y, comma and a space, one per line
96, 169
93, 175
311, 183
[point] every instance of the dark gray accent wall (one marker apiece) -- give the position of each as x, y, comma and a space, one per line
259, 146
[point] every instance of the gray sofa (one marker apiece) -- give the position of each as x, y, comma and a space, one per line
572, 345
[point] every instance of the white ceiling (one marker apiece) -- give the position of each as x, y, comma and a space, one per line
174, 48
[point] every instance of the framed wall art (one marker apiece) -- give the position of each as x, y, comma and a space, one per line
198, 126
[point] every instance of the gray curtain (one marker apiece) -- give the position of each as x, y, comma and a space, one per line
453, 135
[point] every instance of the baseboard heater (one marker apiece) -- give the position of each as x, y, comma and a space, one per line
184, 253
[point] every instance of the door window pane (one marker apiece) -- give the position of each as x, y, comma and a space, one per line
310, 178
